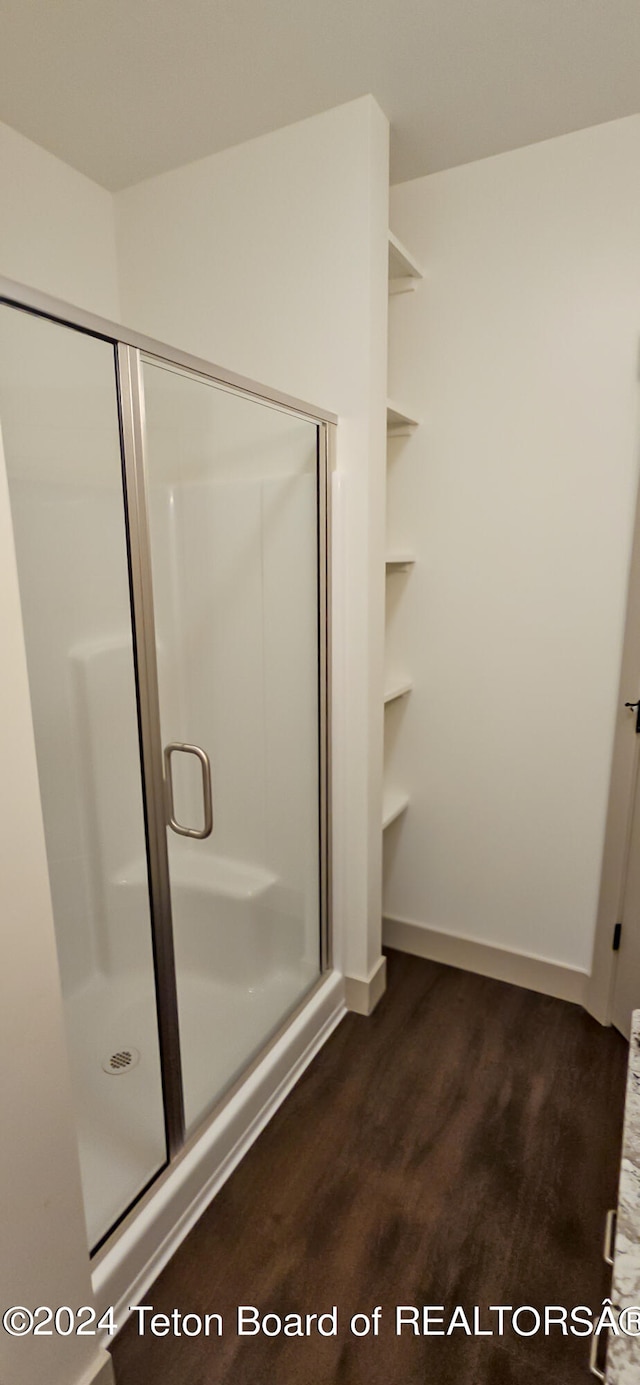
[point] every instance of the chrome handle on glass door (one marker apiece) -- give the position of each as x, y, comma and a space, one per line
198, 832
593, 1360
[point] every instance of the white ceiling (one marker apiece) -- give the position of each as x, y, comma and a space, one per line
122, 89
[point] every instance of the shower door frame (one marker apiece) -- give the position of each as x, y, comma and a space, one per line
129, 348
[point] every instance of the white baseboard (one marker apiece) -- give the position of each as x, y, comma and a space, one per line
534, 973
363, 993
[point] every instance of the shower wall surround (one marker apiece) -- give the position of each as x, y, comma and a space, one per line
179, 960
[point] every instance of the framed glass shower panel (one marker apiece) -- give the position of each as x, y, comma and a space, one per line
61, 437
233, 503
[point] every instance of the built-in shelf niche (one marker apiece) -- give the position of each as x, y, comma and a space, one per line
394, 803
404, 275
400, 424
399, 562
404, 270
397, 687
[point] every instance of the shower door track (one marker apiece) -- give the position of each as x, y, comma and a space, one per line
18, 295
129, 349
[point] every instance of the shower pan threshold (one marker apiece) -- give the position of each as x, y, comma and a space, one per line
142, 1245
120, 1122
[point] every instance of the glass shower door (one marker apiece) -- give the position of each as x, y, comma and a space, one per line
171, 543
233, 504
60, 434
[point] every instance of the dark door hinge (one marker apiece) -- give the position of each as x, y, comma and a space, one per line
616, 937
635, 707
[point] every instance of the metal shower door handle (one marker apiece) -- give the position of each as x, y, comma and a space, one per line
201, 755
609, 1236
593, 1360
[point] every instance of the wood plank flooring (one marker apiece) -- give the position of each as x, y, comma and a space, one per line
461, 1146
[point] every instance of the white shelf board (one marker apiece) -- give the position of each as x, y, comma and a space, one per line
394, 803
402, 266
399, 562
398, 688
399, 422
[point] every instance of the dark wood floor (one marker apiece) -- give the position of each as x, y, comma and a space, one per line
461, 1146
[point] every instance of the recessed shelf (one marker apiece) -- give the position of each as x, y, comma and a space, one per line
399, 688
404, 270
394, 803
400, 424
399, 562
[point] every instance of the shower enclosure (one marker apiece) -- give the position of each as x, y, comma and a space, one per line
170, 525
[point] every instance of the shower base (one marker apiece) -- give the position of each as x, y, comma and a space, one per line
132, 1259
119, 1115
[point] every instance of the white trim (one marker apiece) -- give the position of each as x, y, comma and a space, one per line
362, 994
519, 968
101, 1373
136, 1255
622, 788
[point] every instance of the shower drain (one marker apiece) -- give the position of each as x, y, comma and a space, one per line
121, 1061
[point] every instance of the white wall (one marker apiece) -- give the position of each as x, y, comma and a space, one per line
56, 228
270, 259
520, 352
55, 233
